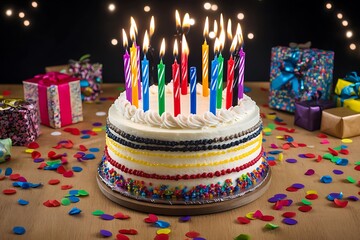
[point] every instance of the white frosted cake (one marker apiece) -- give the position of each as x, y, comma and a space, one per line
191, 156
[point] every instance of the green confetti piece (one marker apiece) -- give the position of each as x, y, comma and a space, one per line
271, 226
335, 159
328, 156
50, 163
357, 163
350, 179
271, 126
243, 237
306, 202
98, 212
337, 148
65, 201
83, 193
121, 89
267, 133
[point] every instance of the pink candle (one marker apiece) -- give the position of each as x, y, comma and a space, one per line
184, 66
176, 82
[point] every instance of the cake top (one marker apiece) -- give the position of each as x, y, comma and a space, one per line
185, 120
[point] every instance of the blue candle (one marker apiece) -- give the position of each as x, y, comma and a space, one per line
193, 90
213, 85
145, 83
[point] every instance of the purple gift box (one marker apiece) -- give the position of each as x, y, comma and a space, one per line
19, 121
308, 113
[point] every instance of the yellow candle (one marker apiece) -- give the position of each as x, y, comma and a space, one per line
205, 61
134, 70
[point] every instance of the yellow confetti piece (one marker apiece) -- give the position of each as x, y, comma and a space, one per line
279, 137
29, 150
163, 231
280, 156
97, 129
311, 192
250, 215
270, 116
347, 140
266, 130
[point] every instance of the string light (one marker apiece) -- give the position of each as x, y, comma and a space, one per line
147, 9
240, 16
192, 21
207, 6
114, 41
328, 6
352, 46
250, 36
339, 15
34, 4
345, 23
349, 34
8, 12
111, 7
21, 14
214, 7
26, 23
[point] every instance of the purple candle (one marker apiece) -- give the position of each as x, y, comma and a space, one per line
241, 73
127, 71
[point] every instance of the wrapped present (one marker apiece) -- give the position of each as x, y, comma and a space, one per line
347, 92
90, 75
19, 121
5, 149
340, 122
58, 98
296, 74
308, 113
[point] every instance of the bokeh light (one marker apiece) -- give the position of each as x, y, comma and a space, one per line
214, 7
26, 23
212, 35
8, 12
250, 36
34, 4
349, 34
207, 6
114, 41
345, 23
240, 16
21, 14
339, 15
328, 6
111, 7
352, 46
147, 9
192, 21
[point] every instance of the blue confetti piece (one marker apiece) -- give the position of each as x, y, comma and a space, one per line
8, 171
342, 162
35, 185
0, 170
270, 158
89, 156
326, 179
162, 224
275, 152
247, 89
332, 196
85, 136
74, 211
74, 199
74, 192
94, 149
23, 202
19, 230
77, 169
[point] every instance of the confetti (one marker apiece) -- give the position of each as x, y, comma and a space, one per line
271, 226
8, 171
9, 191
122, 237
163, 231
342, 162
291, 160
23, 202
97, 212
306, 202
310, 172
164, 237
121, 216
56, 133
326, 179
106, 216
19, 230
33, 145
65, 201
289, 221
250, 215
100, 114
347, 140
298, 185
267, 218
54, 181
51, 203
324, 141
76, 169
243, 220
162, 224
350, 179
311, 196
353, 198
105, 233
289, 214
184, 219
340, 203
94, 149
130, 231
242, 237
192, 234
332, 196
152, 218
305, 208
74, 211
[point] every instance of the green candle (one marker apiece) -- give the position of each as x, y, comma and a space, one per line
219, 90
161, 80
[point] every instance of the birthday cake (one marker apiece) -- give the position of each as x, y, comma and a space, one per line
175, 160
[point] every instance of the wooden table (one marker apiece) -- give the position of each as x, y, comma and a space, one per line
324, 221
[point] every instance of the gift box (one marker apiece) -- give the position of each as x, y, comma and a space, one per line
90, 75
19, 121
57, 96
296, 74
340, 122
5, 149
308, 113
347, 92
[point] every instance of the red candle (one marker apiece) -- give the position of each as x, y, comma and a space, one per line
176, 81
184, 66
230, 75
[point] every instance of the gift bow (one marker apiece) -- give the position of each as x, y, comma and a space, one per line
12, 103
290, 72
352, 77
352, 90
52, 78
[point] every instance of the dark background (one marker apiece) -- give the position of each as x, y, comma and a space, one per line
63, 30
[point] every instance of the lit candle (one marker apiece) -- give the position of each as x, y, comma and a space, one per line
193, 90
241, 64
134, 70
214, 77
236, 74
133, 24
220, 60
145, 74
127, 72
151, 53
184, 66
205, 61
176, 81
161, 79
230, 75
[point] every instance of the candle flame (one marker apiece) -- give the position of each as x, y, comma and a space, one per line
221, 22
125, 40
176, 51
222, 40
216, 45
152, 26
186, 23
215, 28
146, 42
206, 28
132, 34
184, 46
133, 24
178, 20
229, 31
162, 48
239, 33
234, 44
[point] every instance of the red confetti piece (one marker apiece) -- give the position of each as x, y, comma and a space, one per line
66, 187
193, 234
280, 123
294, 144
305, 208
14, 176
35, 154
54, 181
285, 146
128, 231
344, 151
122, 237
68, 174
51, 203
121, 216
58, 146
73, 131
271, 163
2, 177
357, 168
61, 169
267, 218
264, 89
289, 214
333, 152
162, 237
278, 205
311, 196
290, 130
302, 145
291, 189
152, 218
82, 148
243, 220
321, 135
340, 203
42, 165
51, 154
309, 155
319, 158
281, 128
9, 191
33, 145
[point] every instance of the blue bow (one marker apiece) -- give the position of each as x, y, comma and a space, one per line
290, 72
352, 77
351, 91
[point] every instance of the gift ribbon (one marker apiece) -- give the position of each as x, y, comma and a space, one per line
14, 103
289, 73
352, 77
56, 83
351, 91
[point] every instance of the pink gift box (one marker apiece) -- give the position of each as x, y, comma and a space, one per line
58, 98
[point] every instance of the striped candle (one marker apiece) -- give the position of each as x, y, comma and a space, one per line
213, 85
193, 90
145, 83
127, 75
134, 77
138, 68
241, 74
